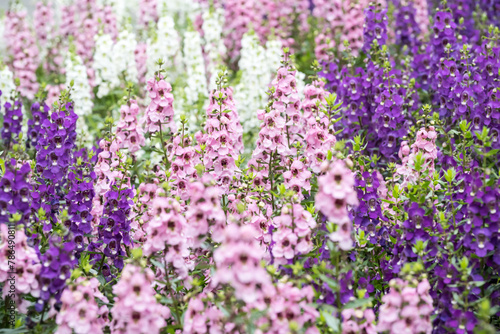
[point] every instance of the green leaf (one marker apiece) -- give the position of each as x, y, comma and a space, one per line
358, 303
157, 263
331, 321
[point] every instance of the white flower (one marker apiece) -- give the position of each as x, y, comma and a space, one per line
213, 22
106, 75
301, 83
124, 57
7, 86
123, 9
80, 94
196, 79
166, 46
274, 50
256, 66
182, 9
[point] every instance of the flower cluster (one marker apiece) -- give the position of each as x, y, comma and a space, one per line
135, 309
57, 263
79, 311
12, 121
160, 112
223, 138
127, 130
337, 187
15, 192
23, 49
26, 262
406, 308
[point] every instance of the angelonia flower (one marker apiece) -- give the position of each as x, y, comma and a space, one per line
196, 85
135, 309
407, 29
365, 201
204, 213
76, 73
106, 169
278, 12
274, 50
184, 158
105, 69
87, 16
15, 192
26, 266
22, 46
240, 16
358, 321
422, 16
2, 33
406, 308
301, 83
141, 58
167, 232
250, 93
43, 19
282, 117
54, 148
425, 145
368, 215
53, 92
159, 114
223, 136
109, 21
146, 193
7, 86
114, 227
293, 302
337, 187
79, 199
294, 233
57, 263
320, 138
123, 56
165, 45
79, 310
375, 26
344, 17
12, 122
127, 130
148, 12
213, 47
202, 315
238, 263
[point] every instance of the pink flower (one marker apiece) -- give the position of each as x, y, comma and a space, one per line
336, 191
135, 309
130, 134
27, 267
406, 308
79, 311
160, 112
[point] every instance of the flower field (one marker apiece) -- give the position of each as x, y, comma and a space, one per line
250, 167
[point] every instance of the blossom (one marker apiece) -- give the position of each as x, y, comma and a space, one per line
27, 266
105, 68
80, 311
124, 56
336, 191
129, 133
406, 308
135, 309
160, 113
